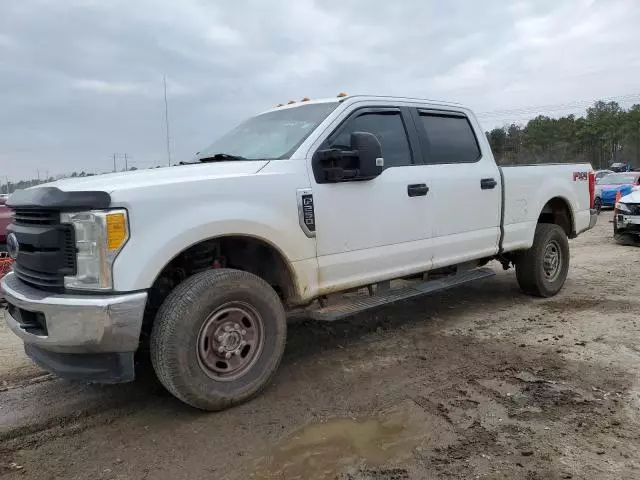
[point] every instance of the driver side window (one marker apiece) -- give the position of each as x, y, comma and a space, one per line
388, 127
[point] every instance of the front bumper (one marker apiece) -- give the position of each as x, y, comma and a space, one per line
626, 223
74, 323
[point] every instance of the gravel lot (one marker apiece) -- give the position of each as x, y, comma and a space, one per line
479, 382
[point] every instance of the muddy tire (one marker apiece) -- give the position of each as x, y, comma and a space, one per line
542, 270
218, 338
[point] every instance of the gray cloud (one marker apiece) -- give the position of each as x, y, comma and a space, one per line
82, 79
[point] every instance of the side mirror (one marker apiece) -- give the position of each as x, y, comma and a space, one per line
369, 152
363, 162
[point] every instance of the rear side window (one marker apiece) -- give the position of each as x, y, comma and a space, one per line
449, 139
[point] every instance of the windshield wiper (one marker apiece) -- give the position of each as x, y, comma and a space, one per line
220, 157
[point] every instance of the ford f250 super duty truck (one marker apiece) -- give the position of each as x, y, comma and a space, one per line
294, 205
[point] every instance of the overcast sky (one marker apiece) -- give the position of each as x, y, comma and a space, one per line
81, 79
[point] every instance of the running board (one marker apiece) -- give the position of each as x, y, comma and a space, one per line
342, 310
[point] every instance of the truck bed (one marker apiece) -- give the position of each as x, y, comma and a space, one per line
527, 188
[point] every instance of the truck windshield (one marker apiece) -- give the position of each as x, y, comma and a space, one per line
617, 179
270, 136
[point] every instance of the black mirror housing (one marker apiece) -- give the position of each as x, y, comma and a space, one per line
363, 162
369, 151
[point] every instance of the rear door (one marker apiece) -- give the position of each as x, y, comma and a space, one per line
464, 186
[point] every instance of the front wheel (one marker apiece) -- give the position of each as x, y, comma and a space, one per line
218, 338
542, 270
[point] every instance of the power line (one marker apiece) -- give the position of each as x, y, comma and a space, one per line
523, 111
124, 156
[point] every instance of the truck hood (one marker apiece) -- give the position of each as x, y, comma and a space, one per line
633, 197
158, 176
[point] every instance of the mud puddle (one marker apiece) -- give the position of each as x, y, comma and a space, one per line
380, 446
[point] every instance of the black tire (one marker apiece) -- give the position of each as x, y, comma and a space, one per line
532, 272
176, 338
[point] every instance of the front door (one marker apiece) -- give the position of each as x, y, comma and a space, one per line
375, 229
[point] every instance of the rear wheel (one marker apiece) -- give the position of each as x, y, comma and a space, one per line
218, 338
542, 270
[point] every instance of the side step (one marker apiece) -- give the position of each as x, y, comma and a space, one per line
342, 310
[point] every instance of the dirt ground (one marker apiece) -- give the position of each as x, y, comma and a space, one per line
478, 382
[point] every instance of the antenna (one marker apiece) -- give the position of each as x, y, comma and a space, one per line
166, 120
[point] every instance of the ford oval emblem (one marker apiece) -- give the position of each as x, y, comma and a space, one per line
13, 247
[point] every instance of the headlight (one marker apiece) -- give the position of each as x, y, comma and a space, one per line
623, 207
100, 235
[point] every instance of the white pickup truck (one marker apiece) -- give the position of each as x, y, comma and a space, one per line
200, 263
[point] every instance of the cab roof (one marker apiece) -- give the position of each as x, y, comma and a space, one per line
341, 99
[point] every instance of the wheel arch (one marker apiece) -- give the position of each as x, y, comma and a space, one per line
243, 252
558, 211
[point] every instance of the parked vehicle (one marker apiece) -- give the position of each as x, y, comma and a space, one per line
607, 188
626, 219
620, 167
5, 259
297, 204
5, 219
602, 173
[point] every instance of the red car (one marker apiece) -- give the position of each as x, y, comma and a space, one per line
5, 219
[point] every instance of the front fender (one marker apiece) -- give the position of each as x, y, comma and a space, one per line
154, 243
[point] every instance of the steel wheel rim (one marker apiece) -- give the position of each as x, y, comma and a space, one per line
230, 341
552, 261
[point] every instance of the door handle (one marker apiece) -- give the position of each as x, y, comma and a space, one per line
417, 190
488, 183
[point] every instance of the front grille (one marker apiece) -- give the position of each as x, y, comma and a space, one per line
23, 216
47, 248
634, 208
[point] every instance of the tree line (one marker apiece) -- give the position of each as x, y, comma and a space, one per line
605, 135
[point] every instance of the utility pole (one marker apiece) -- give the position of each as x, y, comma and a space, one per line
126, 164
166, 120
114, 163
38, 170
